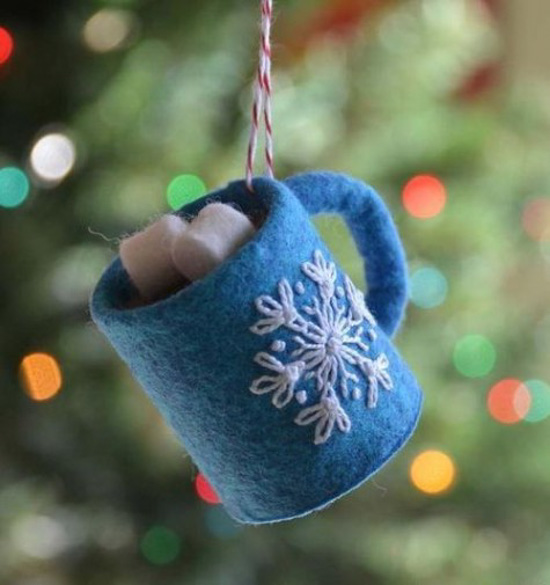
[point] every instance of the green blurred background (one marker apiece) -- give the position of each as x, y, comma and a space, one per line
102, 105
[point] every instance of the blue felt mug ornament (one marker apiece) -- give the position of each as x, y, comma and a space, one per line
278, 377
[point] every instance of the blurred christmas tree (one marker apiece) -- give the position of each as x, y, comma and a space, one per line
102, 106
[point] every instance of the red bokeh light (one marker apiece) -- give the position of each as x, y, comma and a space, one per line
509, 401
480, 81
424, 196
342, 17
536, 219
205, 491
6, 45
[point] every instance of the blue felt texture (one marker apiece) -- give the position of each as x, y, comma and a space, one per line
194, 352
374, 233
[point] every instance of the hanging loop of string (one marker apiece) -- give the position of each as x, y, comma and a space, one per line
262, 99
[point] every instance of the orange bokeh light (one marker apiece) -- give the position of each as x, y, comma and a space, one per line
6, 45
536, 219
41, 376
509, 401
433, 472
424, 196
205, 491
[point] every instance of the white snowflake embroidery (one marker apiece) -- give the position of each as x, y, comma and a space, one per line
282, 384
330, 349
326, 414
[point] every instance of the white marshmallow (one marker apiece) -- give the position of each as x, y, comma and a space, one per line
147, 257
214, 235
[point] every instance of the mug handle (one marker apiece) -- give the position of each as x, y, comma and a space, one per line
375, 235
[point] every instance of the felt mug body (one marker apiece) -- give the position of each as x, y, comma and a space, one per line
277, 375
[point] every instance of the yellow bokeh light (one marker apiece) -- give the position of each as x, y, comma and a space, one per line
41, 376
433, 472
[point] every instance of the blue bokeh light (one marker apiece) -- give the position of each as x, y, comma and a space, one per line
428, 287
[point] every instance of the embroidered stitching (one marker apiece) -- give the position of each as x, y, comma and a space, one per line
330, 349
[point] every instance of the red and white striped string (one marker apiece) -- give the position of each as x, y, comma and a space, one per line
262, 99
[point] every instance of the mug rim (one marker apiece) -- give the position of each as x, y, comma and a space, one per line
115, 286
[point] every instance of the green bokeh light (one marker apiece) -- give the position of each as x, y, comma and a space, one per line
428, 288
474, 356
540, 401
185, 189
160, 545
14, 187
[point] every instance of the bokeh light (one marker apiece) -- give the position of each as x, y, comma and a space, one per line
508, 401
424, 196
75, 272
433, 472
536, 219
474, 356
160, 545
41, 376
6, 45
14, 187
205, 491
220, 524
539, 393
40, 537
428, 287
53, 157
185, 189
108, 30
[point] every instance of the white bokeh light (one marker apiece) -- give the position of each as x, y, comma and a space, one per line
108, 30
40, 537
53, 157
